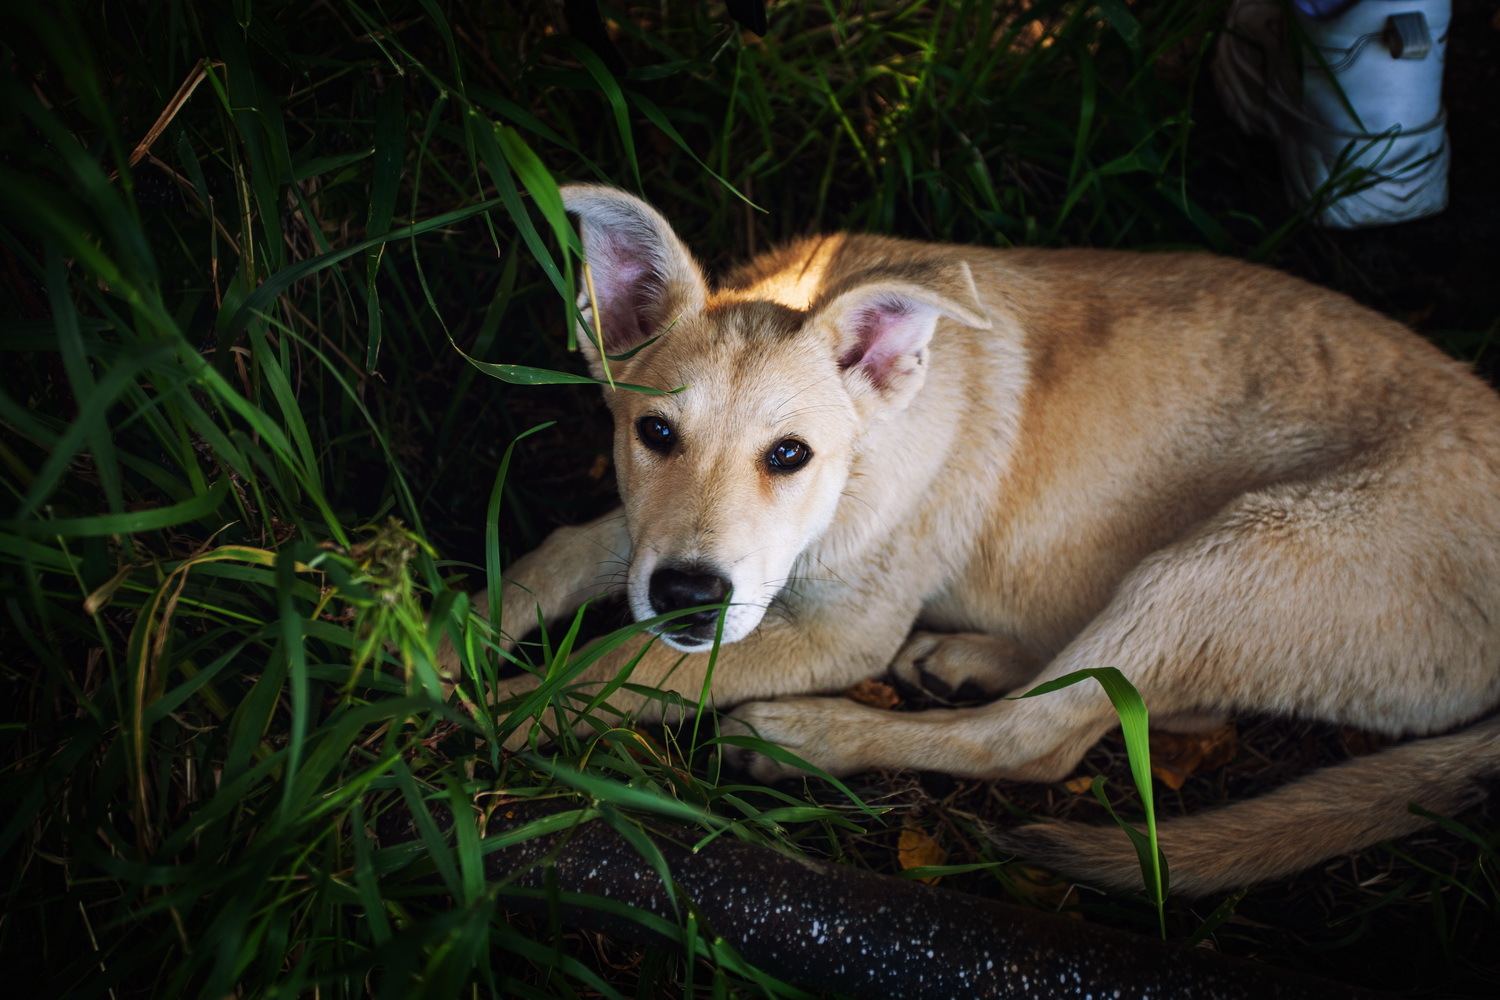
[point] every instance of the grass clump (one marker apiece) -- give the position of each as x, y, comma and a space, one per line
248, 475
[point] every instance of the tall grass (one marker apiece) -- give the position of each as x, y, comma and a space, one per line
248, 250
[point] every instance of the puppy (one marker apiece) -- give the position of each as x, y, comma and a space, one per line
993, 468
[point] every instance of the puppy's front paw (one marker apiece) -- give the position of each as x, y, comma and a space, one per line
758, 765
827, 733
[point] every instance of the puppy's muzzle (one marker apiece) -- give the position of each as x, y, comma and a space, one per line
689, 586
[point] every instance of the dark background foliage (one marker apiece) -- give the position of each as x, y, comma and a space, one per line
245, 249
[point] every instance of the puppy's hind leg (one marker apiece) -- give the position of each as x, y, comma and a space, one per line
1346, 599
964, 665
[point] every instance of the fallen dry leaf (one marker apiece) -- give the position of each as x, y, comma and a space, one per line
1044, 889
876, 694
916, 848
1079, 785
1175, 757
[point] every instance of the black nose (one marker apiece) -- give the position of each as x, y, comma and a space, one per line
674, 588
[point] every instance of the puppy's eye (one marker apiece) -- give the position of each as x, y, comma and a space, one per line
656, 434
788, 455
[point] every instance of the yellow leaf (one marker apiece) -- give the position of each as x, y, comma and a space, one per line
916, 848
1080, 784
1045, 890
876, 694
1177, 756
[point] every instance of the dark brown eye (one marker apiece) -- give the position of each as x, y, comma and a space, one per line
788, 455
656, 434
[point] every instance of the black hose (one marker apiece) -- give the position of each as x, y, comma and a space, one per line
826, 926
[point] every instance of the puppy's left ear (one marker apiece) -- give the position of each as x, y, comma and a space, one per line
883, 328
643, 275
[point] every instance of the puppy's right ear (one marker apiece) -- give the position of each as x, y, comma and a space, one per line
643, 277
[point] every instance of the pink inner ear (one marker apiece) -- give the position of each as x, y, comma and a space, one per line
628, 288
884, 331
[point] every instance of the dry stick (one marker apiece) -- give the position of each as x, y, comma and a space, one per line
199, 72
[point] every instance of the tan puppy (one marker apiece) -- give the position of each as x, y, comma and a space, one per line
1245, 492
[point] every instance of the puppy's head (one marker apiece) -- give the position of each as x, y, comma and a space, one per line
727, 482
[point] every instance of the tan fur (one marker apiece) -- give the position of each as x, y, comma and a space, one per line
1247, 493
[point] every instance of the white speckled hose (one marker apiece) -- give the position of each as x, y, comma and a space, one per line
825, 926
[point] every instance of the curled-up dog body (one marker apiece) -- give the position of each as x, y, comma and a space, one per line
986, 469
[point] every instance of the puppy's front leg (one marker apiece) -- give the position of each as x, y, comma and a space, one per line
816, 653
573, 565
1038, 739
